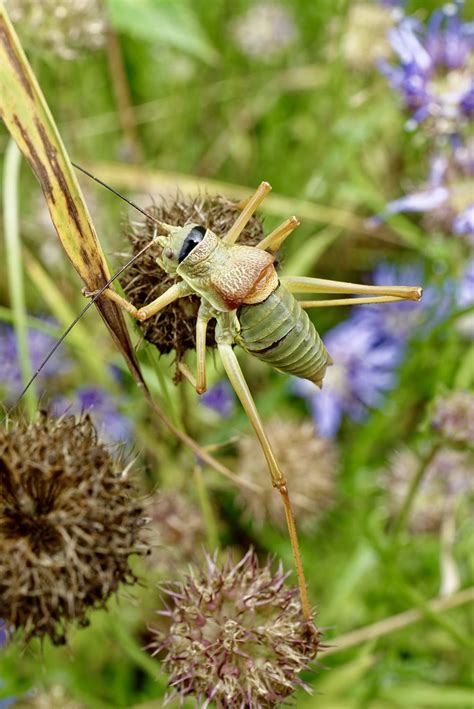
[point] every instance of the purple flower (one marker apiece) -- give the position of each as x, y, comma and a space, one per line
220, 398
112, 425
39, 346
447, 199
363, 370
465, 299
434, 74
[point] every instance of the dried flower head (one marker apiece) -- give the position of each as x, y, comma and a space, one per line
176, 531
447, 478
173, 329
64, 28
68, 524
309, 462
453, 416
237, 636
265, 31
364, 39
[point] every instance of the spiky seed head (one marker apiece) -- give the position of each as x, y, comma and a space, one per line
173, 329
453, 416
176, 531
236, 635
62, 28
68, 524
446, 482
310, 464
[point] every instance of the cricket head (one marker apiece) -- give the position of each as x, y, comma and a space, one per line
186, 247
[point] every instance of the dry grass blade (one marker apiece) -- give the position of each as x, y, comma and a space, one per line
25, 113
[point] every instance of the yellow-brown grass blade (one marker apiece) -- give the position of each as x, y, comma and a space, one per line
26, 115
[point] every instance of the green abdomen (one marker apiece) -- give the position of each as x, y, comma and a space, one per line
280, 333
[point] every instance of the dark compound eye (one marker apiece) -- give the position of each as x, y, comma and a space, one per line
195, 236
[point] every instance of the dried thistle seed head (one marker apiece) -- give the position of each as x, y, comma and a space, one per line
453, 416
68, 525
237, 637
173, 329
176, 531
446, 481
63, 28
309, 462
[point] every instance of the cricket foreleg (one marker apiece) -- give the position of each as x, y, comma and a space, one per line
178, 290
198, 382
303, 284
239, 384
275, 239
249, 208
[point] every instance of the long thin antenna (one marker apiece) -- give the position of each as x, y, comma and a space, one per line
75, 321
166, 227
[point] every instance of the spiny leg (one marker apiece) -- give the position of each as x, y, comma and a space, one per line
198, 382
349, 301
303, 284
249, 208
240, 386
178, 290
275, 239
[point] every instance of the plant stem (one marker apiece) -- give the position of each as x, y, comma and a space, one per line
397, 622
206, 509
11, 174
404, 515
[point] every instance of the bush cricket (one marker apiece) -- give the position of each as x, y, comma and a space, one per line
253, 307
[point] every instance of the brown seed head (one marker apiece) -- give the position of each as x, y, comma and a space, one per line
453, 416
310, 464
446, 481
64, 28
237, 637
176, 531
68, 524
173, 329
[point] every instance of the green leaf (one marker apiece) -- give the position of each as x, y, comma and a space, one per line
173, 24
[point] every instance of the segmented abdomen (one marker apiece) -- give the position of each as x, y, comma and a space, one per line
280, 333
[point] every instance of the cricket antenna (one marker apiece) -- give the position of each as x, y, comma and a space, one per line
75, 321
166, 227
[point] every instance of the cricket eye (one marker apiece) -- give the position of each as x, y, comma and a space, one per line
195, 236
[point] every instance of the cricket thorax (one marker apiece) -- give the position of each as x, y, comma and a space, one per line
226, 276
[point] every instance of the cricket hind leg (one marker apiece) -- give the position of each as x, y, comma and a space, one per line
240, 386
376, 294
250, 206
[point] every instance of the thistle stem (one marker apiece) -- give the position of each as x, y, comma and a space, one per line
396, 622
11, 175
206, 509
406, 508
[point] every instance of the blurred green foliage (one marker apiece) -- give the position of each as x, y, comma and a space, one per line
320, 124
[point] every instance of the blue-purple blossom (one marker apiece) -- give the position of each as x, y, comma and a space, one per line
112, 425
434, 72
465, 299
364, 369
447, 199
39, 346
220, 398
